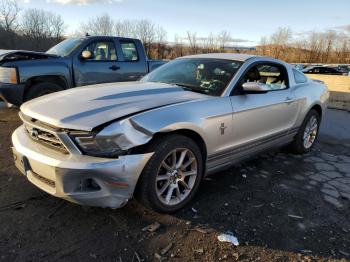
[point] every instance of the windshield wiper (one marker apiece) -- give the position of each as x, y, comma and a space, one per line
189, 87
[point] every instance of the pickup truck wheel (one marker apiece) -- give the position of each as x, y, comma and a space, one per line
172, 176
307, 134
41, 89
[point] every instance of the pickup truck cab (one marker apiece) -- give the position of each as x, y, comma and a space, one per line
25, 75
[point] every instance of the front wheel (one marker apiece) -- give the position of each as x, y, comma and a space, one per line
172, 176
307, 134
41, 89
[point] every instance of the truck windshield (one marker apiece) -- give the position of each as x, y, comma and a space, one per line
204, 75
65, 48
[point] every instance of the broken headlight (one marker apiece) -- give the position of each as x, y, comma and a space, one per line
93, 145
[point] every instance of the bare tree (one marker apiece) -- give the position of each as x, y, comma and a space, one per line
40, 29
314, 47
342, 49
263, 45
9, 11
145, 30
192, 39
279, 40
210, 43
160, 40
299, 51
57, 26
35, 24
224, 38
125, 28
330, 37
178, 46
100, 25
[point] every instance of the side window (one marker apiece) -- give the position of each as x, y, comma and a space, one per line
324, 70
272, 76
129, 50
102, 51
299, 77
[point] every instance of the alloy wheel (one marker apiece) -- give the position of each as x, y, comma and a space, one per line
176, 176
310, 132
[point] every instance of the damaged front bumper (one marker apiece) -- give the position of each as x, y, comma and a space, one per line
81, 179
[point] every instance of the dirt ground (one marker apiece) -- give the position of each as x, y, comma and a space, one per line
280, 206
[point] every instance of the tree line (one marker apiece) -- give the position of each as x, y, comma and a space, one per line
35, 29
312, 47
30, 29
154, 37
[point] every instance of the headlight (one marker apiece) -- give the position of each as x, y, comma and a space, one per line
8, 75
113, 140
97, 146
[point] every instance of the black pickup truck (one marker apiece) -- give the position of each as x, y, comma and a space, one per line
25, 75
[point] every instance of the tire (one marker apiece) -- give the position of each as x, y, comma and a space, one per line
299, 145
161, 165
41, 89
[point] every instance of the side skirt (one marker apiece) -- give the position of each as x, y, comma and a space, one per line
224, 160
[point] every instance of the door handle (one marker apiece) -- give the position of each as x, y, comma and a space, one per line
114, 67
288, 100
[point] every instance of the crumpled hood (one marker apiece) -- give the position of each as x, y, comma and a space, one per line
3, 51
86, 107
20, 55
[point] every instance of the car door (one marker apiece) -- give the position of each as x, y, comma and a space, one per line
261, 119
316, 70
102, 67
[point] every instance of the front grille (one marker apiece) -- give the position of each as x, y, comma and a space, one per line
43, 135
44, 180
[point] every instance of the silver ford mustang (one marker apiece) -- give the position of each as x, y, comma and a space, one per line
155, 139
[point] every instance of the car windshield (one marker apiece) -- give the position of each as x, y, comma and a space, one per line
65, 48
204, 75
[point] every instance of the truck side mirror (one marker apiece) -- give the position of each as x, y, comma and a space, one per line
86, 54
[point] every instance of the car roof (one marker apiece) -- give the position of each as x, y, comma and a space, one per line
97, 37
228, 56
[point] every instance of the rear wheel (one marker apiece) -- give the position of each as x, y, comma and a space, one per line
307, 134
41, 89
172, 176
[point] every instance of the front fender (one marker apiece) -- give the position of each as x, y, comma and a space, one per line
39, 68
204, 117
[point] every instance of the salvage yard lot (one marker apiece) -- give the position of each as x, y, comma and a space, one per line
280, 207
334, 82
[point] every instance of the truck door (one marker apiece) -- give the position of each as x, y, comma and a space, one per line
102, 67
133, 62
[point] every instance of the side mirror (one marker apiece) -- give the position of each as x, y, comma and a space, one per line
255, 87
86, 54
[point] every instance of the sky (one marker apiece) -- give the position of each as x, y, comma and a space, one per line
246, 20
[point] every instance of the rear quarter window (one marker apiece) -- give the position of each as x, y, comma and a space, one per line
129, 50
299, 77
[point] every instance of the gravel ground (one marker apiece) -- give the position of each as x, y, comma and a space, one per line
280, 206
